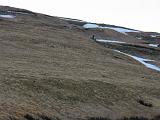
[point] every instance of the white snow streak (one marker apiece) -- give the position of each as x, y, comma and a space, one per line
90, 25
7, 16
142, 61
153, 45
108, 41
118, 29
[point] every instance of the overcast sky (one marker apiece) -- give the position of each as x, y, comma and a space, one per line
137, 14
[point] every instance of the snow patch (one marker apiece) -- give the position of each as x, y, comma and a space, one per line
145, 63
118, 29
108, 41
142, 61
17, 12
139, 38
69, 19
90, 26
121, 30
153, 45
154, 36
7, 16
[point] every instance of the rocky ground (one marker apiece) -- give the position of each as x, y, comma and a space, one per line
52, 69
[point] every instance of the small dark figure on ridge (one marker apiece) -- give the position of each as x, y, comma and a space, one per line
93, 37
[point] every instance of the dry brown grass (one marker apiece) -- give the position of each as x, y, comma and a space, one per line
49, 68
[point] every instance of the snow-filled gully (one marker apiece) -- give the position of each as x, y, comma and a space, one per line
139, 59
142, 61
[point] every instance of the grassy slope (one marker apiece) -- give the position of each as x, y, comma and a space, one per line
48, 68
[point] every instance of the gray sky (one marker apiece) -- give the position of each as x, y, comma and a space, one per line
137, 14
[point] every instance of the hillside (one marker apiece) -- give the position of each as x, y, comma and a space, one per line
54, 68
